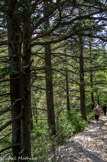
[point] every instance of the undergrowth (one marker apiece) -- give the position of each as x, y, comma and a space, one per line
67, 125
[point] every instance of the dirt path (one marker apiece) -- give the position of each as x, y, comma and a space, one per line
87, 146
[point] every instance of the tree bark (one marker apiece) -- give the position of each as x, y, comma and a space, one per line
67, 85
49, 90
91, 79
49, 84
20, 82
14, 48
26, 86
82, 82
92, 93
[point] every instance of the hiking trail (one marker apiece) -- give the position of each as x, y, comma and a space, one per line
87, 146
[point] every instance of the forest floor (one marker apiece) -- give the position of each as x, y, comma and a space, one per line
87, 146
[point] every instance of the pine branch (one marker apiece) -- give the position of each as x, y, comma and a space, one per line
10, 122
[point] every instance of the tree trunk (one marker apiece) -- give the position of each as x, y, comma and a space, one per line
98, 98
49, 84
14, 49
82, 82
92, 93
91, 80
26, 86
49, 90
67, 86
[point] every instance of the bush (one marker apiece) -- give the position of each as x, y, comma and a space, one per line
90, 116
69, 123
43, 144
76, 121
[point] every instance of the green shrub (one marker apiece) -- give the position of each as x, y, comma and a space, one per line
90, 116
43, 144
69, 123
76, 121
